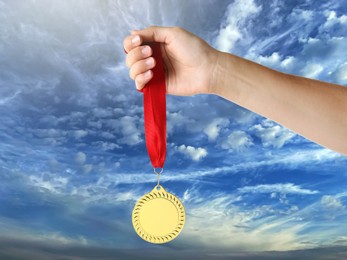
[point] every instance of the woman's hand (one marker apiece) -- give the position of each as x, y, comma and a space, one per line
189, 61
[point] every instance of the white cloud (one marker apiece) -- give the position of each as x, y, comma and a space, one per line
340, 74
87, 168
102, 112
175, 119
106, 146
216, 222
49, 133
78, 134
80, 158
294, 208
60, 239
49, 182
234, 28
106, 135
196, 154
275, 61
312, 70
237, 140
329, 51
320, 56
213, 128
329, 207
288, 63
284, 188
5, 100
332, 19
100, 193
331, 203
271, 134
302, 15
307, 15
129, 130
95, 124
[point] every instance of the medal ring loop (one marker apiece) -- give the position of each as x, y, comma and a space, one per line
158, 170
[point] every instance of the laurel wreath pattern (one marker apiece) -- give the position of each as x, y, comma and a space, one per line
158, 239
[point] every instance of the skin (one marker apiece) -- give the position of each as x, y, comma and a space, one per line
314, 109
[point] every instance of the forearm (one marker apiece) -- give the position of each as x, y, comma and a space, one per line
311, 108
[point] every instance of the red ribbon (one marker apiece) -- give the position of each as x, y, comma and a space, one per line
154, 97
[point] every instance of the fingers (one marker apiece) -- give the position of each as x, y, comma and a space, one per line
141, 67
142, 79
138, 58
156, 34
150, 34
139, 71
138, 53
131, 42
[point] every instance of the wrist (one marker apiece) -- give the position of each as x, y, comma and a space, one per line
225, 81
216, 73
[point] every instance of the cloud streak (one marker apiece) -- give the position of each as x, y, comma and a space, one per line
286, 188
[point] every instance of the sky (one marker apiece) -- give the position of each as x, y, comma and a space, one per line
73, 160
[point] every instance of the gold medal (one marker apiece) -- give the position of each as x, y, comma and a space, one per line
158, 217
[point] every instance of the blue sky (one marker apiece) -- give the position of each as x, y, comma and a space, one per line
73, 160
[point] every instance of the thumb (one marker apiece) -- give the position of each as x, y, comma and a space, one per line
154, 34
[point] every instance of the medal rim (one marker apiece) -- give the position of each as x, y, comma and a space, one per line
156, 194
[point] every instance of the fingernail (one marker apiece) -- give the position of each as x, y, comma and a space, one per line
135, 39
147, 74
145, 50
149, 62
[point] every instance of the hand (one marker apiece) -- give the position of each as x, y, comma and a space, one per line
188, 60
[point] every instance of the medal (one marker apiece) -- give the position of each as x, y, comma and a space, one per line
158, 216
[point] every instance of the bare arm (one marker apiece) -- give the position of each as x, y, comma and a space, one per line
314, 109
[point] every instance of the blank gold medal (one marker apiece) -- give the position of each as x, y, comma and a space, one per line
158, 217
